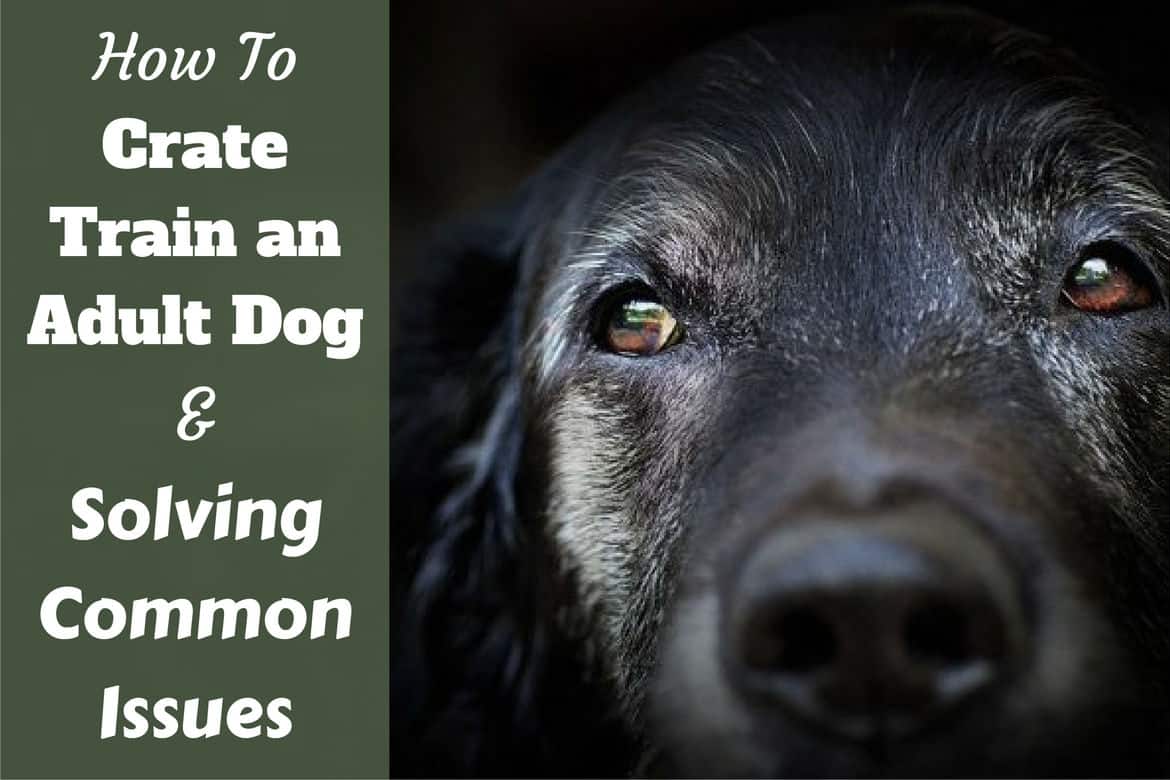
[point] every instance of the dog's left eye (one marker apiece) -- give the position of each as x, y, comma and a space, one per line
1109, 280
638, 325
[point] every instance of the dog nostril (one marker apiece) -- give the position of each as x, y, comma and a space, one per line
807, 642
794, 641
937, 634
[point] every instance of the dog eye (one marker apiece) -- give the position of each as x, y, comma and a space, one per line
638, 325
1109, 280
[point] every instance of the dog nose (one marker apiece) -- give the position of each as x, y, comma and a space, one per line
868, 635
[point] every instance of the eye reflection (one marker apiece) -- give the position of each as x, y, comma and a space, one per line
640, 327
1108, 281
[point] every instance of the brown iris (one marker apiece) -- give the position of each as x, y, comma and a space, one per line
638, 326
1108, 282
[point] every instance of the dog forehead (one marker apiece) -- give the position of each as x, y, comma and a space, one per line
779, 182
841, 148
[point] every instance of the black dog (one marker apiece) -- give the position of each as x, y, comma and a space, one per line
810, 414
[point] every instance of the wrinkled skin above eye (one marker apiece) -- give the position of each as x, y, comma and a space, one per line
1104, 285
639, 327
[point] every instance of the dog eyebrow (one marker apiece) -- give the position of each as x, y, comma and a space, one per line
681, 261
1096, 166
676, 212
617, 253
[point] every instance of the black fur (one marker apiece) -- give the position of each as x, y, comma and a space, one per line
499, 666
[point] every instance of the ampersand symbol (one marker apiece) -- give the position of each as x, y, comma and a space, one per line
190, 419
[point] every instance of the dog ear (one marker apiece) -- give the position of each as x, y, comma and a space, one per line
452, 352
465, 643
480, 672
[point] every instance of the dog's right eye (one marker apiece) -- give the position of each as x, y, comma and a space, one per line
637, 325
1108, 279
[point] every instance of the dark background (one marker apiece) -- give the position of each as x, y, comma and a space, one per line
483, 91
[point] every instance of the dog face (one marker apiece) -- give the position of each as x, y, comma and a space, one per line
834, 381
